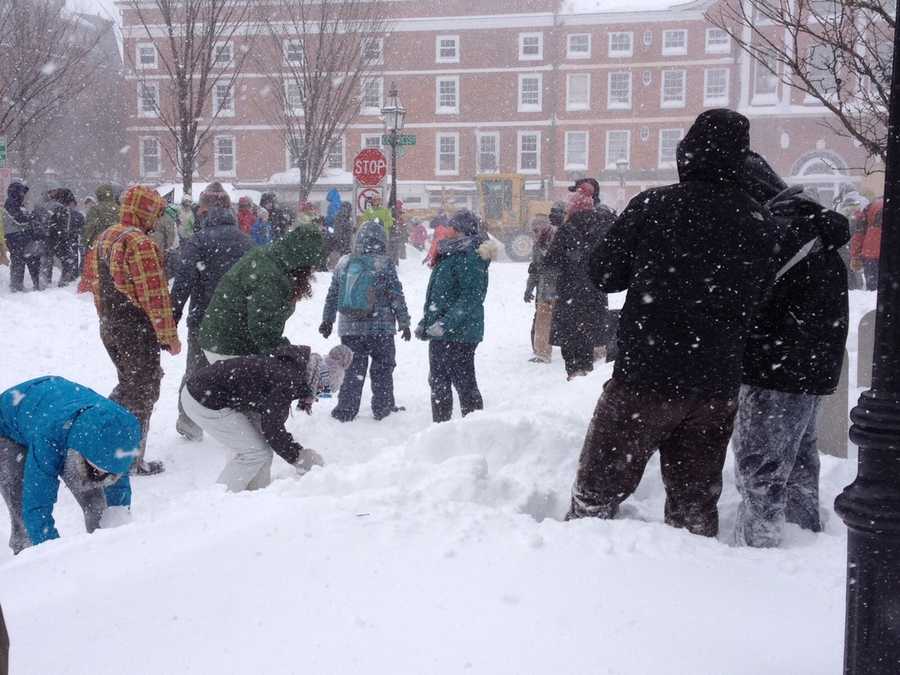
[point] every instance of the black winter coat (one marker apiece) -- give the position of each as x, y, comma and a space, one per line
265, 385
203, 260
696, 259
797, 341
579, 316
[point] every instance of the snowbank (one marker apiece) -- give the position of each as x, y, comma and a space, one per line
417, 549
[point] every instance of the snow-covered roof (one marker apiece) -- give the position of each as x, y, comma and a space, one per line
177, 192
602, 6
330, 177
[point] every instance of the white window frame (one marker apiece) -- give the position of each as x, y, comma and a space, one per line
531, 107
576, 105
663, 103
716, 100
717, 48
437, 154
446, 110
487, 134
620, 53
224, 112
519, 136
158, 172
616, 105
152, 85
668, 164
286, 49
437, 49
217, 170
217, 49
675, 51
569, 164
289, 108
531, 57
378, 41
612, 164
343, 145
763, 98
576, 54
366, 137
138, 63
371, 110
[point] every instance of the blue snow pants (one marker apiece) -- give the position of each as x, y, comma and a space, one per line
382, 351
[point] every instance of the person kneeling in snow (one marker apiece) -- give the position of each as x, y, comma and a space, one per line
244, 403
51, 428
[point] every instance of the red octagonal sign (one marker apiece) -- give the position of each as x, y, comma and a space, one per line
369, 167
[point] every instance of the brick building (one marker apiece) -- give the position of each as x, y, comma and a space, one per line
544, 88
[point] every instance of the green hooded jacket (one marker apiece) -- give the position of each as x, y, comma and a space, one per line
102, 215
255, 298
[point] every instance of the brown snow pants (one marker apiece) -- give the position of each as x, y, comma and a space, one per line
627, 428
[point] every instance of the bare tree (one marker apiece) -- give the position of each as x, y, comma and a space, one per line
322, 55
838, 52
44, 65
198, 56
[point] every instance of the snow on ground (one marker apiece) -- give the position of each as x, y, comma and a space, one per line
417, 549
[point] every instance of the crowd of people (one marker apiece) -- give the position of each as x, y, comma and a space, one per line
733, 327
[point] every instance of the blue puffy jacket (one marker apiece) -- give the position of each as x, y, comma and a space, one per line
50, 416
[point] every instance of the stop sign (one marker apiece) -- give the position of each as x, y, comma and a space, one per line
369, 167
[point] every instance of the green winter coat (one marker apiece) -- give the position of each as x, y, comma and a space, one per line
255, 298
102, 215
456, 293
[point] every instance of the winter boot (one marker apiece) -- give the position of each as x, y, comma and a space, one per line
381, 415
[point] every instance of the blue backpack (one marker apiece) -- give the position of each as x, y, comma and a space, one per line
356, 293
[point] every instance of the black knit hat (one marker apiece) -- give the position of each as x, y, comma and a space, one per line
465, 222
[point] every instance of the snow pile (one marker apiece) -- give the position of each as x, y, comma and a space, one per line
416, 549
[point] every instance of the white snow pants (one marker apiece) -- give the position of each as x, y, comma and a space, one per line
250, 467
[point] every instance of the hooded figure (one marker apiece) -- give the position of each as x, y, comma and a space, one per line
244, 403
257, 296
53, 219
542, 282
245, 216
126, 275
366, 297
453, 317
102, 215
281, 218
793, 357
24, 244
696, 259
51, 428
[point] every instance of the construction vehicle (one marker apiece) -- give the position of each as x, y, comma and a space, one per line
509, 214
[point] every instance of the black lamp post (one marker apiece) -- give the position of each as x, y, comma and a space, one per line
394, 116
871, 505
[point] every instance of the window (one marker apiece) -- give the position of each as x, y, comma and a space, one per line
151, 162
621, 44
223, 101
372, 96
336, 155
674, 42
578, 46
618, 147
822, 9
529, 152
371, 141
224, 156
293, 51
765, 77
373, 51
148, 99
293, 97
146, 56
447, 95
717, 41
648, 38
822, 63
673, 82
530, 93
619, 93
447, 49
668, 146
715, 86
576, 150
578, 91
488, 153
222, 55
447, 146
531, 46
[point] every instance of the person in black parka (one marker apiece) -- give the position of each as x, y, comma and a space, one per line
202, 261
23, 241
793, 358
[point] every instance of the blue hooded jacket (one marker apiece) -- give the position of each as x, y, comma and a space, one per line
50, 416
334, 207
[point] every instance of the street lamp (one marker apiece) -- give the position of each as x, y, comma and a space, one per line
870, 507
394, 116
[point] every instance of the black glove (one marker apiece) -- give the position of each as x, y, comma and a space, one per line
405, 334
325, 329
529, 296
420, 332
